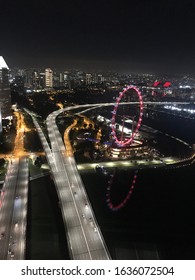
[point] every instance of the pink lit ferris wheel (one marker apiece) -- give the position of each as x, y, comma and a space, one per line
124, 142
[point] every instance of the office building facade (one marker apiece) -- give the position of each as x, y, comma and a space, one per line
5, 93
48, 78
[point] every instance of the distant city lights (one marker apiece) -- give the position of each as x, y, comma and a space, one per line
175, 108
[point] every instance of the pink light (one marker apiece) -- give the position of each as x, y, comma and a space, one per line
130, 140
120, 205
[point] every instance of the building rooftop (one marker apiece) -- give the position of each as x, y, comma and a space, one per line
3, 64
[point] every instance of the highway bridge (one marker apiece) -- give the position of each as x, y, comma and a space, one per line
13, 211
83, 233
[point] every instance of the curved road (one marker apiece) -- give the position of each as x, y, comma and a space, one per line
84, 236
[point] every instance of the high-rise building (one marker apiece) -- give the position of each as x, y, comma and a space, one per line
88, 79
35, 80
48, 78
5, 94
0, 121
98, 79
42, 80
17, 84
61, 79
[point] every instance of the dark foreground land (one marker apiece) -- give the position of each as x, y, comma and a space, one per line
45, 230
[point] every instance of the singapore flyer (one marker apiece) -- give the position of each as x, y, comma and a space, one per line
124, 142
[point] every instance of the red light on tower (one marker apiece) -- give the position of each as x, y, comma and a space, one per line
157, 83
167, 84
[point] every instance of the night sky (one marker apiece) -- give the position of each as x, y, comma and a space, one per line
129, 36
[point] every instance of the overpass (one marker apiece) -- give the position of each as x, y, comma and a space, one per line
84, 236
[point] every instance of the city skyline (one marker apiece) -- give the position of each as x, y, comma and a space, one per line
97, 139
147, 36
101, 169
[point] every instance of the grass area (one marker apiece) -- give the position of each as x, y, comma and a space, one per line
64, 123
28, 120
3, 170
32, 141
35, 170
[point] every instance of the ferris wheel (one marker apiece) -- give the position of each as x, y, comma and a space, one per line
122, 141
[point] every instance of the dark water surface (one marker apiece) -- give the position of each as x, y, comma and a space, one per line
157, 221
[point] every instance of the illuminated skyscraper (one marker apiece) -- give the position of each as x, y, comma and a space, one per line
88, 78
48, 78
5, 95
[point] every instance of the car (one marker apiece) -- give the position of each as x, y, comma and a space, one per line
2, 235
95, 229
